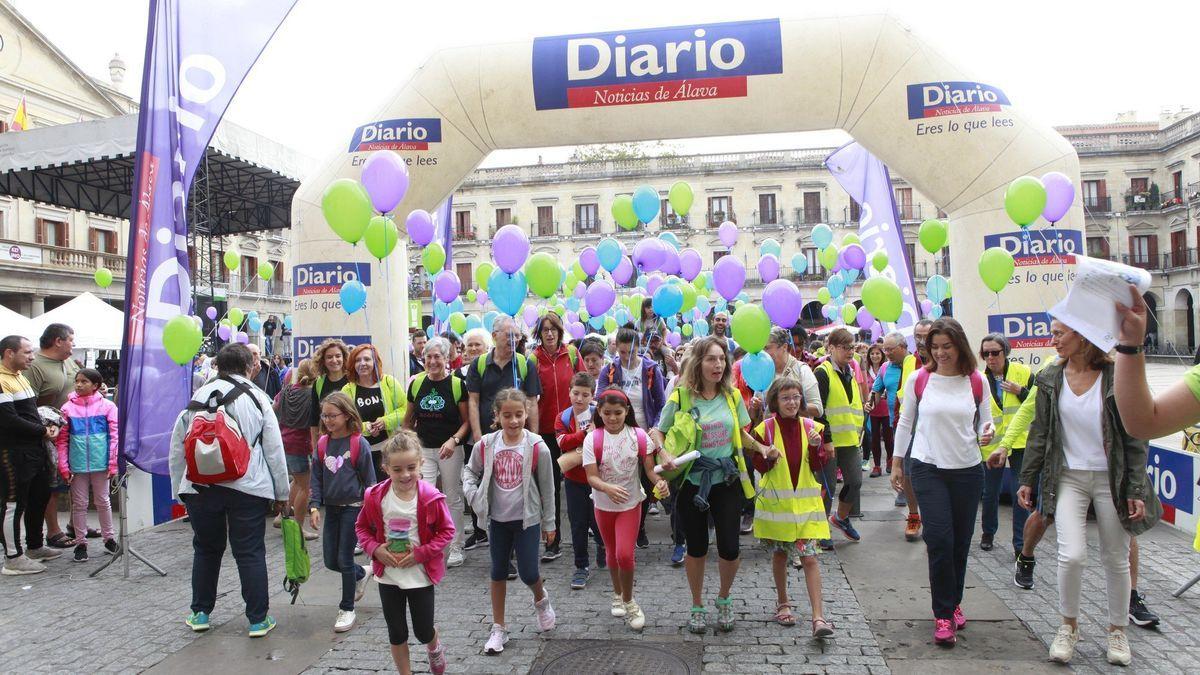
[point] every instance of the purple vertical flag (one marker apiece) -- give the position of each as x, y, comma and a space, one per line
866, 180
197, 54
443, 232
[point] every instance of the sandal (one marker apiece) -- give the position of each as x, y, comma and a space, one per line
698, 622
59, 540
783, 614
724, 614
821, 628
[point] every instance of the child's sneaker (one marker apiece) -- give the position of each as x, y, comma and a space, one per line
111, 546
497, 640
263, 627
545, 613
943, 632
579, 579
437, 659
81, 553
618, 605
634, 617
360, 586
344, 622
197, 621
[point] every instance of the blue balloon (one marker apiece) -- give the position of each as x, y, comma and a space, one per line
799, 263
489, 319
287, 322
822, 236
671, 239
743, 297
642, 281
668, 300
836, 285
936, 288
429, 331
596, 322
608, 251
255, 324
623, 316
672, 322
771, 246
701, 328
936, 312
721, 305
758, 370
353, 296
646, 203
252, 314
703, 304
456, 305
850, 276
441, 311
508, 291
473, 322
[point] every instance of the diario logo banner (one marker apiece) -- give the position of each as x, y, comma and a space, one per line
654, 65
1171, 474
401, 134
305, 346
938, 99
1027, 330
327, 278
1039, 247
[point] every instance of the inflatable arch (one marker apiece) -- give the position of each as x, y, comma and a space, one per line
957, 140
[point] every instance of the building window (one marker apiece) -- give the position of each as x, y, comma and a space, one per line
503, 217
1176, 196
102, 240
944, 262
1094, 196
720, 209
717, 255
812, 209
814, 261
462, 225
52, 232
463, 270
911, 250
277, 284
1097, 247
545, 221
587, 218
1143, 249
855, 211
1139, 185
904, 204
249, 271
767, 215
216, 263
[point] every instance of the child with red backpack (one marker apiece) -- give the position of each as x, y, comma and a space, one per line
611, 456
341, 472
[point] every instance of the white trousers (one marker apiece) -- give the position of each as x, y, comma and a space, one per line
1077, 489
451, 472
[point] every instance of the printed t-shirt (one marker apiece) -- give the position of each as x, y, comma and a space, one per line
406, 509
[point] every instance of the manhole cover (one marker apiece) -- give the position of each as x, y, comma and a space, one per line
605, 657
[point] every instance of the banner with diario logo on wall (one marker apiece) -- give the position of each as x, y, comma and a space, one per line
1175, 477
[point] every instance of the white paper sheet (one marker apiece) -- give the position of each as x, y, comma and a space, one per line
1090, 306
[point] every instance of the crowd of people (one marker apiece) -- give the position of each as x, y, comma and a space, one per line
494, 430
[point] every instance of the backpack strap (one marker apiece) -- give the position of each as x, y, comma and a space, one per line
732, 399
481, 364
598, 445
922, 381
977, 386
573, 355
456, 388
322, 446
414, 386
769, 430
522, 365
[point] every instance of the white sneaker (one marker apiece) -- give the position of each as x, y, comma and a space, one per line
344, 622
309, 535
43, 553
1063, 647
618, 605
545, 613
634, 617
496, 640
360, 587
358, 550
22, 565
455, 558
1118, 648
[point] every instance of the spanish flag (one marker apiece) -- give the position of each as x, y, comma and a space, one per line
20, 120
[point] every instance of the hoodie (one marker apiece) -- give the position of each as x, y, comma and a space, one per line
337, 482
654, 395
88, 442
435, 528
293, 407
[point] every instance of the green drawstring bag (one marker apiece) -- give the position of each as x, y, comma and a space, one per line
295, 557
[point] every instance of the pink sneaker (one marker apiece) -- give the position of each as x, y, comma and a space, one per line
943, 632
545, 613
437, 659
960, 619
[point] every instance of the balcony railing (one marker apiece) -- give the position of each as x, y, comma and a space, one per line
1179, 258
1097, 205
63, 258
585, 227
545, 228
811, 216
1193, 191
759, 218
673, 221
909, 211
1170, 199
1141, 201
464, 233
715, 218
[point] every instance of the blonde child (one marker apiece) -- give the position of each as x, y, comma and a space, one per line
789, 514
509, 483
404, 526
87, 457
611, 456
341, 472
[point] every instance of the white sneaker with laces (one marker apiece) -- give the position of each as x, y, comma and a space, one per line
344, 622
22, 565
43, 553
1118, 648
1063, 647
496, 640
455, 557
634, 616
618, 605
545, 613
360, 587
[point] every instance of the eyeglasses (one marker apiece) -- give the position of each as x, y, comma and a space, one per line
790, 399
332, 416
987, 353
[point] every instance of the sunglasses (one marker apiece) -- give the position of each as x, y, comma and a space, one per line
991, 352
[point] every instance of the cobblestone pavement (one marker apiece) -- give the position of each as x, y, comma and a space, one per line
62, 621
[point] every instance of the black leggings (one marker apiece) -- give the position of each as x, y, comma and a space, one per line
420, 605
25, 481
725, 504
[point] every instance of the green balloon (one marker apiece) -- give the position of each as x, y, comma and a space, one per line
103, 277
433, 258
881, 297
879, 261
996, 267
232, 260
182, 339
689, 296
850, 238
933, 234
680, 197
265, 270
471, 295
949, 289
823, 295
458, 322
542, 274
1024, 200
347, 208
610, 325
583, 314
849, 314
578, 270
687, 330
623, 213
559, 310
701, 283
751, 327
483, 273
829, 256
381, 236
236, 316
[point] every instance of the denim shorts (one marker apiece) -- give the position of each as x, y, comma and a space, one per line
298, 463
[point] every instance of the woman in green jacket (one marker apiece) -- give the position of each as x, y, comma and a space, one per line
378, 397
1085, 456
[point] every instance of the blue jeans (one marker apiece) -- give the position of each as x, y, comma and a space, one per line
219, 514
581, 513
338, 540
949, 501
506, 536
992, 480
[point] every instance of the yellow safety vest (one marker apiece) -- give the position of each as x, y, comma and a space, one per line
910, 364
843, 410
1002, 416
781, 512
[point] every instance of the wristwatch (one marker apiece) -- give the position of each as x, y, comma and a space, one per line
1129, 349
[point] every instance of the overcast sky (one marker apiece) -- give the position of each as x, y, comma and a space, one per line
334, 62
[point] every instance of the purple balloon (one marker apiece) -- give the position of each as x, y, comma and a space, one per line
728, 233
653, 283
589, 262
211, 313
673, 339
1060, 194
481, 297
781, 300
576, 330
624, 271
420, 227
729, 275
600, 297
649, 254
876, 332
510, 248
768, 269
223, 332
530, 315
671, 266
690, 263
864, 318
446, 286
853, 257
385, 176
243, 338
580, 290
926, 306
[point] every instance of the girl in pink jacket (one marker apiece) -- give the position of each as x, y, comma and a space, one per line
405, 526
87, 457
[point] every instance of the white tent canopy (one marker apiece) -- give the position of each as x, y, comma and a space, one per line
97, 324
12, 323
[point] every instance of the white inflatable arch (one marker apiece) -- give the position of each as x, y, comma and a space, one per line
956, 139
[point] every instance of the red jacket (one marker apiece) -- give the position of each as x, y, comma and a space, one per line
555, 372
435, 528
570, 438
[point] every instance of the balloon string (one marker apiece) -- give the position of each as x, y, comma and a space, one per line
390, 325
